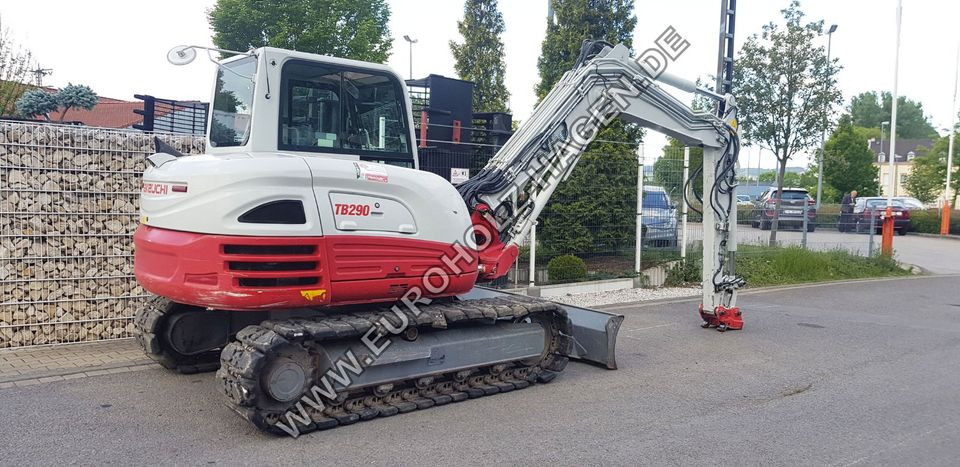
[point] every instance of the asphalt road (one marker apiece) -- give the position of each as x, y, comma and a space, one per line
808, 382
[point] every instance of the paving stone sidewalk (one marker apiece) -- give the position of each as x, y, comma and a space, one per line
36, 365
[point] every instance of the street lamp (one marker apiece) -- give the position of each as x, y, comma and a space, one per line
411, 41
826, 111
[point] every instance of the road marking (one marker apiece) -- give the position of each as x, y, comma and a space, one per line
650, 327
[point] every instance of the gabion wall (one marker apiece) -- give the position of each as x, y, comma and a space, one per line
68, 209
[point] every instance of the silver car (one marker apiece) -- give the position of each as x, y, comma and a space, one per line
659, 218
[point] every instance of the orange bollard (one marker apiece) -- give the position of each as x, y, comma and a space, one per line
945, 219
886, 245
423, 129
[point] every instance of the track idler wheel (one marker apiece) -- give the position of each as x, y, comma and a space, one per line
160, 319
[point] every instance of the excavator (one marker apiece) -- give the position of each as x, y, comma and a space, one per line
327, 280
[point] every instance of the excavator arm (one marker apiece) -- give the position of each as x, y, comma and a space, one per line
507, 196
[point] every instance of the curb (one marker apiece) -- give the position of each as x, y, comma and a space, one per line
929, 235
69, 374
774, 288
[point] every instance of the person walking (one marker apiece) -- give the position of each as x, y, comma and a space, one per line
846, 211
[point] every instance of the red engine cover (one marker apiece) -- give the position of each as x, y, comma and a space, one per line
251, 273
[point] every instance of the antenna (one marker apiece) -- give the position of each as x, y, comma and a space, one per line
39, 73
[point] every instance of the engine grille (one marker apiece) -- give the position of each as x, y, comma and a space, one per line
273, 266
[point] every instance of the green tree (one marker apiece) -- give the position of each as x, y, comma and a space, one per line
76, 96
480, 57
806, 179
929, 175
783, 83
848, 163
356, 29
577, 20
869, 110
15, 64
927, 179
594, 210
39, 102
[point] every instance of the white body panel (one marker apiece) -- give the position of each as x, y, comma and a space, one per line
399, 202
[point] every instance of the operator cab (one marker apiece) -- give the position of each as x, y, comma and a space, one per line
311, 105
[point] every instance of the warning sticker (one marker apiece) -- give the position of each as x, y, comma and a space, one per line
372, 172
458, 175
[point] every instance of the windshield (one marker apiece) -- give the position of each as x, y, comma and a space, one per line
877, 203
232, 103
655, 200
911, 202
793, 195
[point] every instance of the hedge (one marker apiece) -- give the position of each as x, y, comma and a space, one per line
928, 221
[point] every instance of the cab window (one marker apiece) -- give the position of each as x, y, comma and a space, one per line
330, 108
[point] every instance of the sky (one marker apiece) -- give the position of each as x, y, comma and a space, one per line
119, 47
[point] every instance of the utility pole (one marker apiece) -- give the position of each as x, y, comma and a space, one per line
411, 41
886, 245
826, 110
945, 217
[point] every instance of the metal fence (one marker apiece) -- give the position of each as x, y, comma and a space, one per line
172, 116
68, 209
69, 206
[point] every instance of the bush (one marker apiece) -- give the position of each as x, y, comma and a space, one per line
928, 221
745, 214
566, 268
684, 272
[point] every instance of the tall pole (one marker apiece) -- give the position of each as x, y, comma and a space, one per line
947, 199
533, 255
411, 41
826, 110
638, 244
886, 246
686, 176
953, 124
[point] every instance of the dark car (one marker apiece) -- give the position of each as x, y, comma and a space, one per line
875, 208
791, 209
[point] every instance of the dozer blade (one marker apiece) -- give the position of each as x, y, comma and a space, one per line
594, 331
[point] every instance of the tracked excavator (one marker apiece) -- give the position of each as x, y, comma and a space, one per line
306, 258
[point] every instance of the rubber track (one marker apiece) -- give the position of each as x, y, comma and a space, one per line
243, 360
148, 323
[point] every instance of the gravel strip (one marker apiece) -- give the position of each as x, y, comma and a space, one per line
626, 296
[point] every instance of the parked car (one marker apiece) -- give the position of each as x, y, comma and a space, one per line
659, 229
875, 208
911, 203
791, 209
744, 200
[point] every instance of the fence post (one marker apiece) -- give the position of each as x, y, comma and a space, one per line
686, 175
873, 228
638, 243
533, 254
806, 211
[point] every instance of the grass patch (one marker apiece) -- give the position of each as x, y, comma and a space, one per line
766, 266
